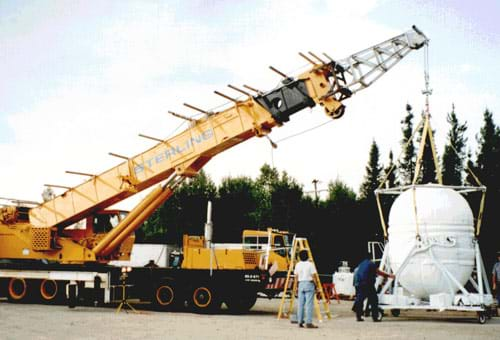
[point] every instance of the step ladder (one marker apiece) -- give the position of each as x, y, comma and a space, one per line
300, 243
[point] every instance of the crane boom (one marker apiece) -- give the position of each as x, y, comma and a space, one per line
365, 67
173, 159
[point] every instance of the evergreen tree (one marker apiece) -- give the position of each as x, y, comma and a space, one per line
487, 169
266, 182
391, 177
471, 166
427, 167
372, 175
183, 213
340, 212
367, 220
489, 150
235, 208
286, 197
406, 165
454, 151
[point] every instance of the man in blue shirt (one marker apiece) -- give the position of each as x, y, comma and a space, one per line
365, 276
496, 278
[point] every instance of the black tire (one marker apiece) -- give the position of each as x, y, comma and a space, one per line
204, 299
18, 290
166, 296
380, 315
49, 291
395, 312
72, 296
481, 317
239, 304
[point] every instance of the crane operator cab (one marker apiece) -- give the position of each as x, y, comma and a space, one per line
274, 245
90, 230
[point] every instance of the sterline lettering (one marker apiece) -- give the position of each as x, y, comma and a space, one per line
174, 150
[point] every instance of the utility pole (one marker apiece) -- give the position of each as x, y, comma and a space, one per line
315, 183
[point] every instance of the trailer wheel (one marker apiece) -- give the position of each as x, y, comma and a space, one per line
481, 317
17, 290
380, 315
204, 299
395, 312
166, 296
48, 290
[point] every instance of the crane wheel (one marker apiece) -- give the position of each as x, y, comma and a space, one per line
17, 290
204, 299
48, 290
165, 296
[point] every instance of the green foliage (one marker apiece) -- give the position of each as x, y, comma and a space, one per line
335, 222
266, 181
454, 151
406, 166
235, 209
488, 156
286, 196
339, 194
390, 172
372, 175
184, 212
428, 167
487, 168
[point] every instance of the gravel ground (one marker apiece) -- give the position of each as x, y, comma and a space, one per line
60, 322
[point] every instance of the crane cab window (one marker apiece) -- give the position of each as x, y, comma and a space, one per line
104, 223
279, 244
255, 242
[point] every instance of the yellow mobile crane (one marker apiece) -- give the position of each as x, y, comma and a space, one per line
43, 246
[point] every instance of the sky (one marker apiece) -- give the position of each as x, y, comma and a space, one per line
80, 79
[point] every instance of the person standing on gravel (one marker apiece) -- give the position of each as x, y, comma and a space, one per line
304, 274
495, 280
366, 274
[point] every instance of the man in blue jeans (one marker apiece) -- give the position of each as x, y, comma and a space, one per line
495, 280
304, 274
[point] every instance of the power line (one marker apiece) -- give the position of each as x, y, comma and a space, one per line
305, 131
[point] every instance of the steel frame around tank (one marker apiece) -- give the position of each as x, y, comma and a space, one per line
480, 286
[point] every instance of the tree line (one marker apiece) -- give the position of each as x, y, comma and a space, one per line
339, 226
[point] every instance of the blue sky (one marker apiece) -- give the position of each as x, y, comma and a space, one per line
81, 78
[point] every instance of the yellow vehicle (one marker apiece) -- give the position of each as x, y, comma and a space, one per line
275, 248
39, 248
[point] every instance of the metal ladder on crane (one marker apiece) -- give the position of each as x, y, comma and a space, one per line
299, 244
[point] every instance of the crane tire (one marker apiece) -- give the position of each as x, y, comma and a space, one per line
204, 299
49, 290
166, 296
17, 290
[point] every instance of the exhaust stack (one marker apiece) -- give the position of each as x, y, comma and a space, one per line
209, 226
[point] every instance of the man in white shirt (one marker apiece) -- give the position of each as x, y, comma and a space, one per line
304, 274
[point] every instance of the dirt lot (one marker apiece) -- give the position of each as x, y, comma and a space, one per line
60, 322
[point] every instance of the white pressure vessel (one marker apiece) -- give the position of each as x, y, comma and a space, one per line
446, 228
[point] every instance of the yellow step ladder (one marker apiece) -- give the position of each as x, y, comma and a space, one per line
299, 244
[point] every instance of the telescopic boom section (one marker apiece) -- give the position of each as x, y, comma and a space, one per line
325, 83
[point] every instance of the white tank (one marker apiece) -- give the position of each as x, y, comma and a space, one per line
343, 280
446, 228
